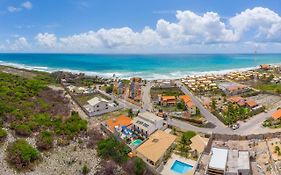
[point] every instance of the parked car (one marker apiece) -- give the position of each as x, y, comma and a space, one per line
235, 126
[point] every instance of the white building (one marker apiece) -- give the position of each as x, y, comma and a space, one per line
229, 162
217, 164
96, 104
146, 123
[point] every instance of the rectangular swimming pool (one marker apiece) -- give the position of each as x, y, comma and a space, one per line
180, 167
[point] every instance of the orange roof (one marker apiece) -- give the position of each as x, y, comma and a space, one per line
251, 103
122, 120
190, 104
277, 114
167, 98
234, 99
265, 66
185, 98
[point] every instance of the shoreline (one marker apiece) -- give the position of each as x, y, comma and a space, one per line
127, 75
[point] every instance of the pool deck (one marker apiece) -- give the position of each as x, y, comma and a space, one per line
167, 167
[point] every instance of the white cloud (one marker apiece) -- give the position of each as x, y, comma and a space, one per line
46, 39
13, 9
27, 5
263, 23
207, 32
19, 44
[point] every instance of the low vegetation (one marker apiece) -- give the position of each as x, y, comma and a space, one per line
45, 140
271, 88
3, 134
21, 154
110, 149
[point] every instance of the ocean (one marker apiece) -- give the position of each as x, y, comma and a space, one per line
155, 66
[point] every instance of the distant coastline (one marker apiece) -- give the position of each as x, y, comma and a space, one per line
145, 66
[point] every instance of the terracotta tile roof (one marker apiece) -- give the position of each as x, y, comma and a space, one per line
167, 98
251, 103
185, 98
156, 145
234, 99
190, 104
277, 114
122, 120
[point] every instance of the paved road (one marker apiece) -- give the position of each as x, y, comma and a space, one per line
146, 99
206, 113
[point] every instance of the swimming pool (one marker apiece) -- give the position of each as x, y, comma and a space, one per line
180, 167
137, 142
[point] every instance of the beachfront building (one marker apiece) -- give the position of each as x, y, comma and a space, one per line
146, 123
231, 88
135, 88
96, 105
156, 147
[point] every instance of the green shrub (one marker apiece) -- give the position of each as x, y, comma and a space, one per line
85, 170
23, 130
45, 140
21, 154
186, 136
111, 148
139, 166
3, 134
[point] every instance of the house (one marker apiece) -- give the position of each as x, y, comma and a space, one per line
251, 104
168, 100
191, 108
156, 147
231, 88
198, 143
146, 123
218, 161
95, 105
229, 162
118, 122
276, 115
238, 162
265, 66
235, 99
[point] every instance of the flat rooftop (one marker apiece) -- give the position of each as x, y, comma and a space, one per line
218, 158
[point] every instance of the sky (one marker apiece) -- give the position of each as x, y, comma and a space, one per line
146, 26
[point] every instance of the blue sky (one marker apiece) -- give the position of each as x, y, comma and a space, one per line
140, 26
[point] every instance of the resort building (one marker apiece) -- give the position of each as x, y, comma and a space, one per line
276, 115
146, 123
118, 122
156, 147
168, 100
95, 105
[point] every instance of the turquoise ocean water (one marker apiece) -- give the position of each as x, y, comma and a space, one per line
158, 66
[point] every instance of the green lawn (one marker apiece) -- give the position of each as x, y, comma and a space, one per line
272, 88
174, 91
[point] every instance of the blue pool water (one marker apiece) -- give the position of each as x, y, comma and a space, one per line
137, 142
180, 167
